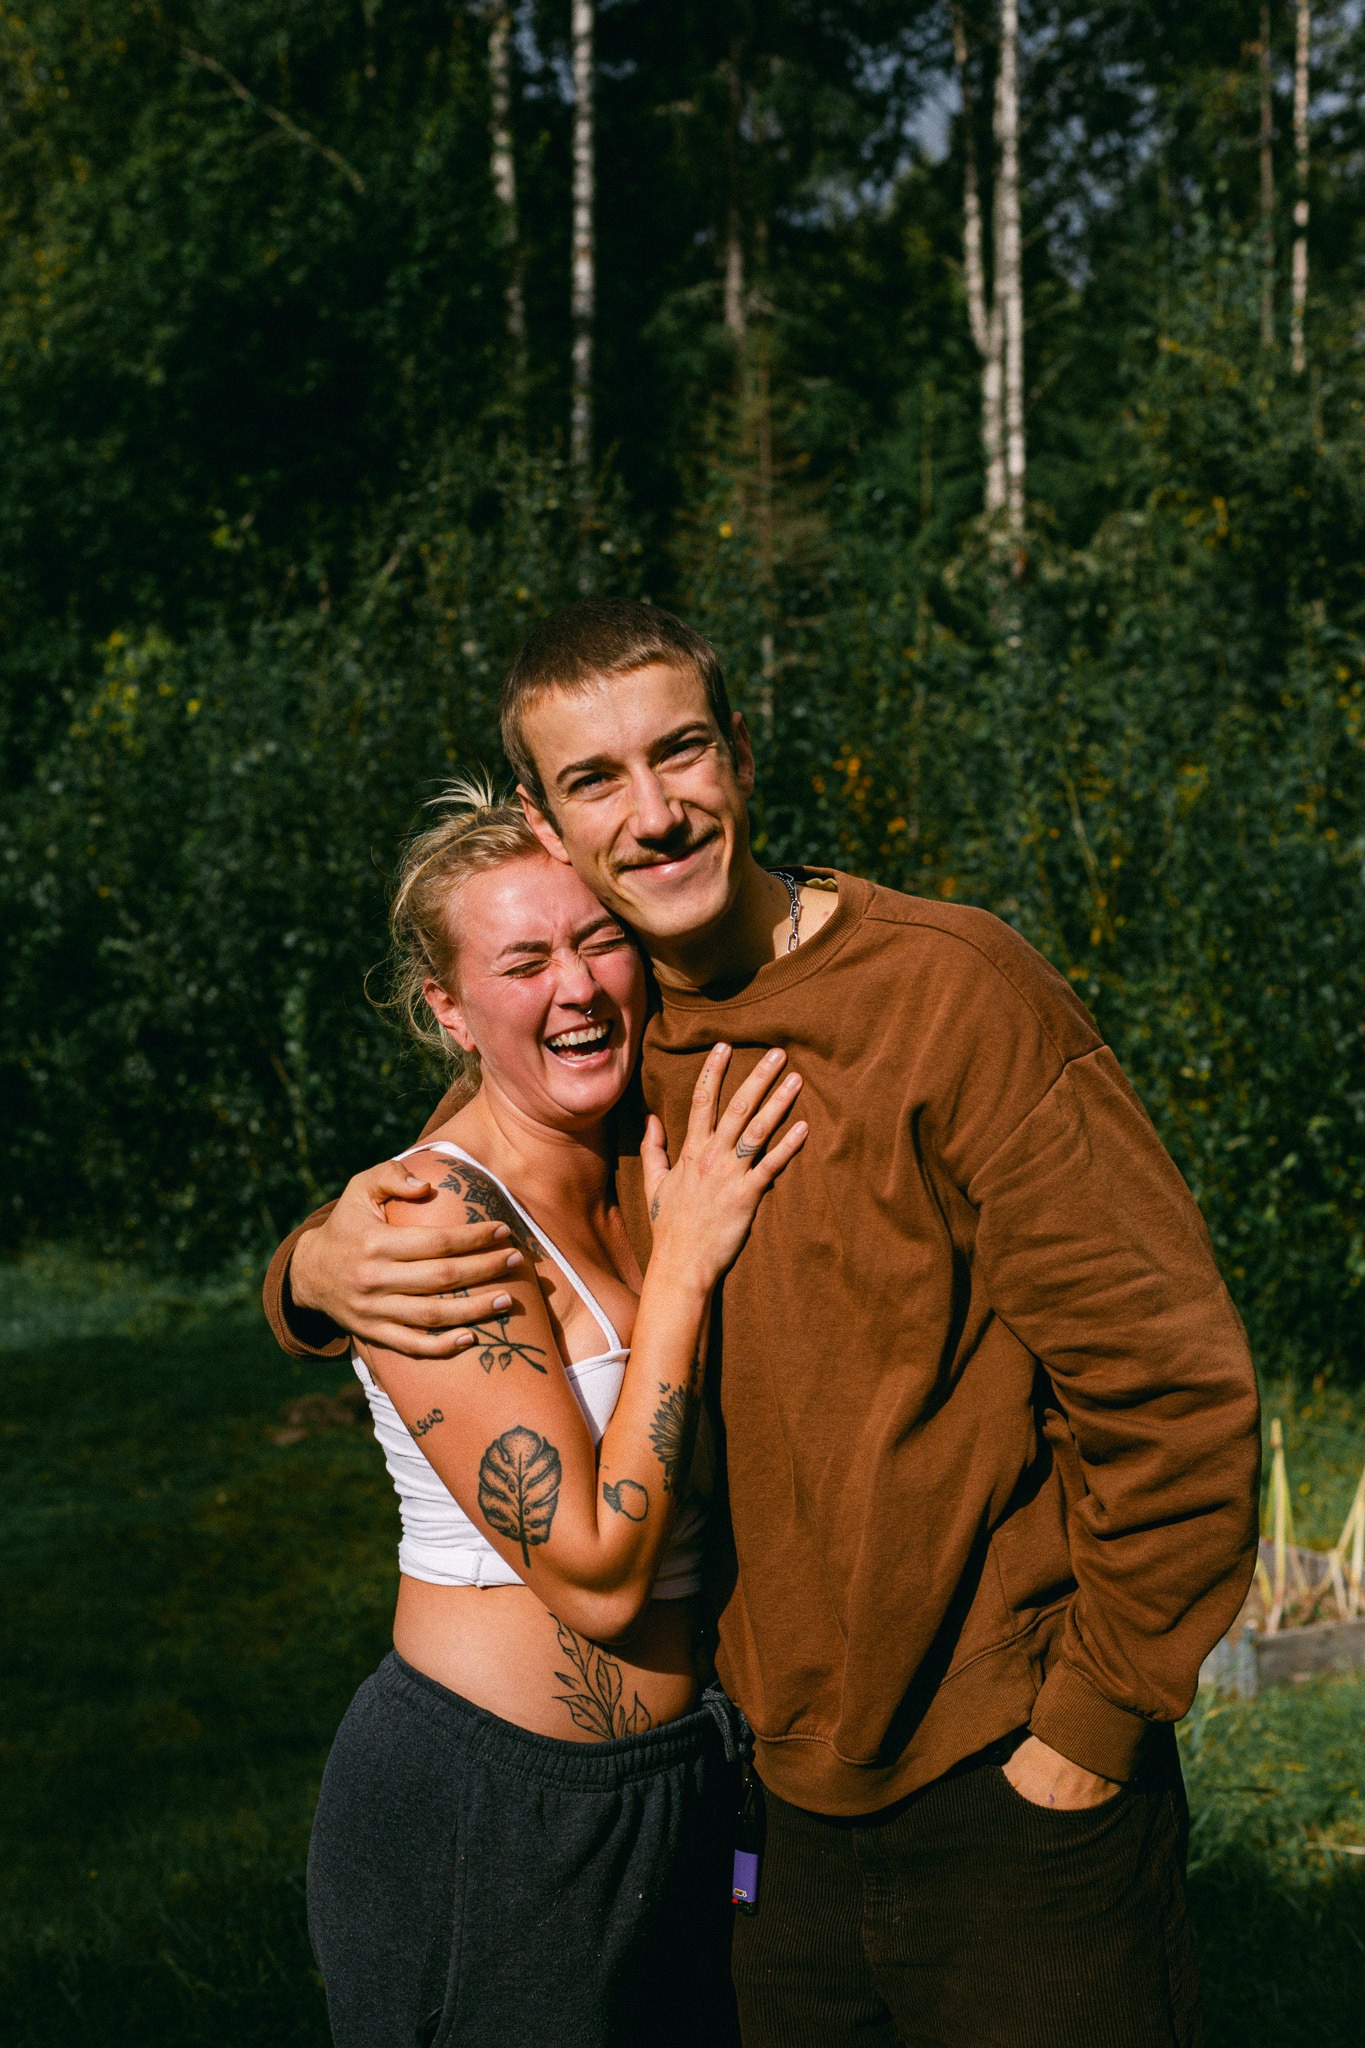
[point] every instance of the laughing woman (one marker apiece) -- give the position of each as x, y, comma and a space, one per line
523, 1826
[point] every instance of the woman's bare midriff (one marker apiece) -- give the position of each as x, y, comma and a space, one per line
498, 1647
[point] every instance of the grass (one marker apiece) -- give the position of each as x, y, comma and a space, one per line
1278, 1901
188, 1608
1277, 1796
189, 1605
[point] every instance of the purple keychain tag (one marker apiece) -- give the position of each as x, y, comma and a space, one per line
748, 1844
744, 1885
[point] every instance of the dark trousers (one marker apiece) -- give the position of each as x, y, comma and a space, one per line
470, 1882
968, 1918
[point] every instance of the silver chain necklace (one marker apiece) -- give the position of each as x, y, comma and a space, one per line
794, 937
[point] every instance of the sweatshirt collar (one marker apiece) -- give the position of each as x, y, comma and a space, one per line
788, 969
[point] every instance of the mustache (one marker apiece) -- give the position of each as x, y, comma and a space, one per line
650, 853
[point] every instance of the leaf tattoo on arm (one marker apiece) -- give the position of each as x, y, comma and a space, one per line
500, 1349
519, 1476
671, 1431
594, 1690
627, 1497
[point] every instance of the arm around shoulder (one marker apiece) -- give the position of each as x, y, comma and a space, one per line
319, 1328
392, 1283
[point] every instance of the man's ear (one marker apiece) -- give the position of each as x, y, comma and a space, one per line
447, 1012
744, 753
540, 824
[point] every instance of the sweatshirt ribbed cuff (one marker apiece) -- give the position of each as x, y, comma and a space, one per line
302, 1332
1072, 1718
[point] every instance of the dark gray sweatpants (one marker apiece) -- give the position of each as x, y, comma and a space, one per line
470, 1882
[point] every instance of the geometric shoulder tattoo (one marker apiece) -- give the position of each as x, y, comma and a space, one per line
519, 1479
484, 1202
593, 1697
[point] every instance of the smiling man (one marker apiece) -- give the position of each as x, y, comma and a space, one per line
988, 1415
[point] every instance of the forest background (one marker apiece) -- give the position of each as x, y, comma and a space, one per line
989, 383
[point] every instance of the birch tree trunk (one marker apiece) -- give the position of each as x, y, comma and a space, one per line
734, 281
584, 265
1299, 284
504, 163
734, 222
986, 324
1267, 185
1009, 277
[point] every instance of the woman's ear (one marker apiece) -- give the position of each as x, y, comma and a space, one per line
448, 1013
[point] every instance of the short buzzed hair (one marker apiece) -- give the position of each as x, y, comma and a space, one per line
596, 637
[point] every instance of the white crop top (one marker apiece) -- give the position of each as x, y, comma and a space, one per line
439, 1543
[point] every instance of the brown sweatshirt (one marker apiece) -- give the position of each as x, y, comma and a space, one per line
989, 1416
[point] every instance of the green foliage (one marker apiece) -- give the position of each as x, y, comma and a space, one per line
1149, 756
213, 348
194, 886
280, 498
278, 501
